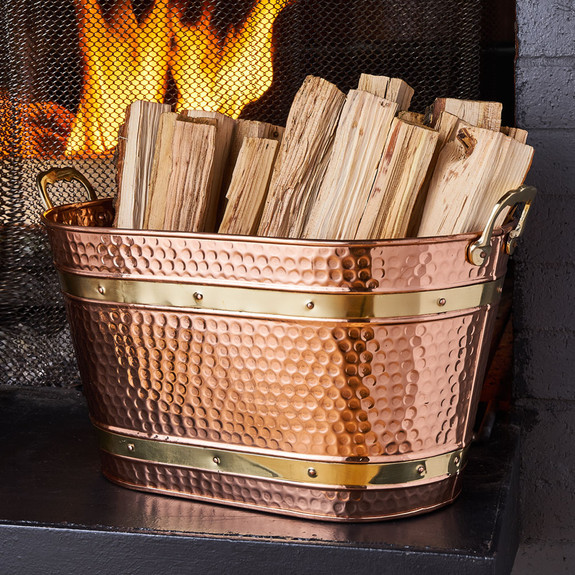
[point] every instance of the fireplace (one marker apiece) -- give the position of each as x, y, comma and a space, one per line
69, 69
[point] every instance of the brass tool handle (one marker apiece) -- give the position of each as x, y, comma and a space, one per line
54, 175
479, 251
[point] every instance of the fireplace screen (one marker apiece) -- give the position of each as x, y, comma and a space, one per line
69, 68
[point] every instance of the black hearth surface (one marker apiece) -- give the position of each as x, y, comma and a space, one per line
59, 515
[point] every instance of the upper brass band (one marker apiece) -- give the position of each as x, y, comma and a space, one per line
279, 302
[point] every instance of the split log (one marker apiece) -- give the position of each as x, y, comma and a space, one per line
302, 158
406, 158
477, 113
464, 171
141, 127
393, 89
225, 128
161, 172
248, 188
445, 126
357, 149
515, 133
189, 191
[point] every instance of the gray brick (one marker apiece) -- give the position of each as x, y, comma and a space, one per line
534, 558
546, 28
553, 168
548, 236
547, 478
545, 93
544, 364
544, 296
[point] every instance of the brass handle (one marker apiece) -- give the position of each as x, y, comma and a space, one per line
54, 175
479, 251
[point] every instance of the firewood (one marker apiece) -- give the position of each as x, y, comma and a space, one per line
161, 171
141, 126
249, 129
224, 133
393, 89
406, 157
376, 85
166, 158
400, 92
302, 158
245, 129
445, 126
249, 185
412, 117
190, 189
516, 133
512, 166
464, 171
474, 112
120, 155
357, 149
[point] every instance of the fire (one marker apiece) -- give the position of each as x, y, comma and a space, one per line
127, 60
33, 129
224, 78
123, 61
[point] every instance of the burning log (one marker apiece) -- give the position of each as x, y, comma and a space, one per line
124, 60
39, 129
207, 69
127, 59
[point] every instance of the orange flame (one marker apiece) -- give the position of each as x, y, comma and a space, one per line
125, 61
224, 80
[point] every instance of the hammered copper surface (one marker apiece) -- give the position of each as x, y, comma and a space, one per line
278, 497
377, 390
380, 267
353, 389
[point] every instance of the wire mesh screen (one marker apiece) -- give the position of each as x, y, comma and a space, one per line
68, 69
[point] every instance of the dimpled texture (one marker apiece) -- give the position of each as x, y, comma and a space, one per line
278, 497
379, 267
331, 390
313, 388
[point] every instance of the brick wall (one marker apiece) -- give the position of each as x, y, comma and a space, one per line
544, 309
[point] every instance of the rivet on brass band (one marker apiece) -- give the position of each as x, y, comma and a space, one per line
282, 469
283, 303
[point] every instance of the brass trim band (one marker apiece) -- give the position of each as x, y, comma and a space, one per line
277, 302
361, 475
